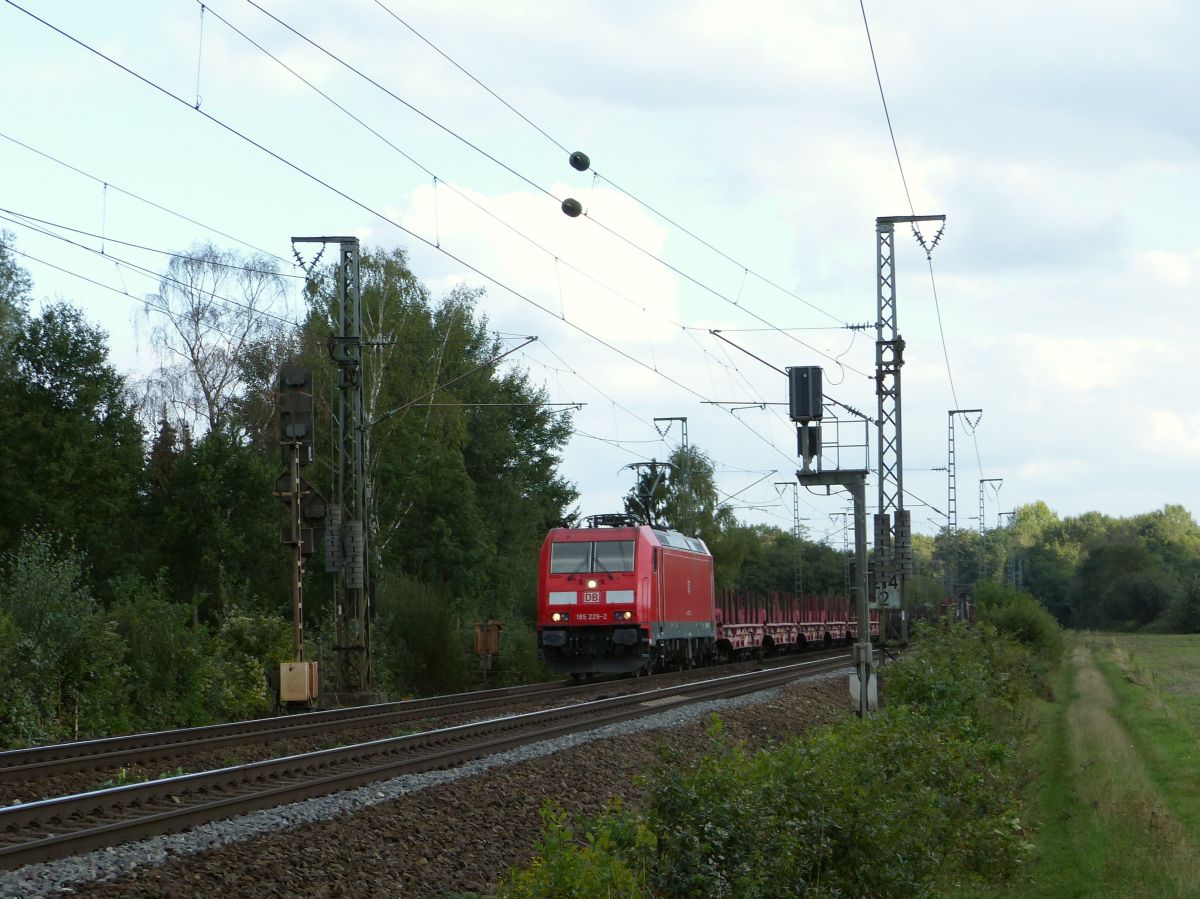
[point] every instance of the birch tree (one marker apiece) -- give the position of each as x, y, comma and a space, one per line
210, 323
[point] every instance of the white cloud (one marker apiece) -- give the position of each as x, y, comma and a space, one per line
1169, 269
1172, 433
571, 267
1067, 277
1077, 365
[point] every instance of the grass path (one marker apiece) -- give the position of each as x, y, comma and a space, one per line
1105, 826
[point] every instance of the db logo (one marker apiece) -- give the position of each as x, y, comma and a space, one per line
591, 597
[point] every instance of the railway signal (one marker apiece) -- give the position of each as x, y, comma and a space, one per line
298, 679
805, 405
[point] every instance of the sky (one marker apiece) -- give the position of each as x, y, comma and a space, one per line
740, 156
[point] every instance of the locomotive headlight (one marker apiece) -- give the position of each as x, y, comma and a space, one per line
592, 583
623, 616
559, 616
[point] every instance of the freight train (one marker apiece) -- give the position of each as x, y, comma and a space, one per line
630, 599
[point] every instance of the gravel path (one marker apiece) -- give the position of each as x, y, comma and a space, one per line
430, 834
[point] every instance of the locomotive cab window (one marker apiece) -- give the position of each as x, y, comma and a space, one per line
570, 558
601, 557
613, 555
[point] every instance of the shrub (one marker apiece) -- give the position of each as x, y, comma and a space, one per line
168, 656
956, 673
245, 646
610, 860
1184, 616
911, 801
1025, 620
519, 662
417, 647
816, 816
65, 669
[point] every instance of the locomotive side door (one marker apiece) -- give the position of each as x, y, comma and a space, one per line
660, 555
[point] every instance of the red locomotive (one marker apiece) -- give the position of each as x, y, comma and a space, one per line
624, 599
628, 599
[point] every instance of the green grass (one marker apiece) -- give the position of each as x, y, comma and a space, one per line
1072, 848
1173, 664
1111, 785
1158, 687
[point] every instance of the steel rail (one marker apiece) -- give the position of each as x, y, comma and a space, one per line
60, 758
40, 762
55, 828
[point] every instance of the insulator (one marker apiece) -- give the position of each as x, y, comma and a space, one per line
572, 207
333, 538
355, 557
579, 161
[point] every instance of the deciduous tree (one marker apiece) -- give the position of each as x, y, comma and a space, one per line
72, 460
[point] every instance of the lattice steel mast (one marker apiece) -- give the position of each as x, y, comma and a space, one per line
893, 528
347, 525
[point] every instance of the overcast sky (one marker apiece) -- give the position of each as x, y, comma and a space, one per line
1059, 139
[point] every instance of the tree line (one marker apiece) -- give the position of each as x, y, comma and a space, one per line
1140, 572
142, 581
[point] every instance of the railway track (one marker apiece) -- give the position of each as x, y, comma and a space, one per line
55, 828
40, 762
27, 768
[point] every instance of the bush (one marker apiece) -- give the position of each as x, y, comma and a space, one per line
956, 673
65, 678
245, 647
1025, 620
611, 860
913, 800
417, 647
1184, 616
816, 816
167, 656
519, 662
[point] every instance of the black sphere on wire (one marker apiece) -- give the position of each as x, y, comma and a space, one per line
579, 161
572, 207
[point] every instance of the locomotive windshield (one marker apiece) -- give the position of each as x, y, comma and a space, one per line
603, 556
613, 555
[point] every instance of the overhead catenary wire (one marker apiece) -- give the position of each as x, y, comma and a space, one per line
912, 209
466, 198
169, 313
557, 260
599, 176
350, 199
620, 443
636, 416
531, 183
157, 276
108, 185
304, 172
108, 238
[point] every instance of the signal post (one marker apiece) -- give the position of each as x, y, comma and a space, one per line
806, 407
299, 681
